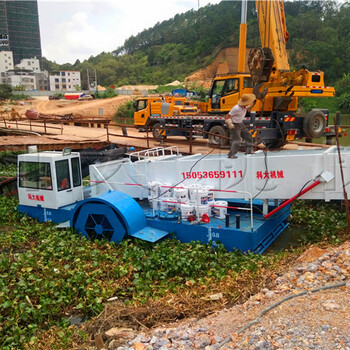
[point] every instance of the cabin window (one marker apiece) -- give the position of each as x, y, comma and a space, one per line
225, 87
141, 104
230, 86
62, 174
76, 172
35, 175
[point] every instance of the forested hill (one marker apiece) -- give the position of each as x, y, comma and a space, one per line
319, 37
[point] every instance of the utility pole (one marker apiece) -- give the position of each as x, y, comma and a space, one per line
88, 79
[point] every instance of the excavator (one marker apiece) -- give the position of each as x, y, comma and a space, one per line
274, 119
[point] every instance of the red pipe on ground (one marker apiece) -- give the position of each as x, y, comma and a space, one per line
307, 189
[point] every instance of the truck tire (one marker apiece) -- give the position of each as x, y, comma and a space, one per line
314, 124
219, 131
158, 132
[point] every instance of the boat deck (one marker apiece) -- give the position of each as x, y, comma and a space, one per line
243, 236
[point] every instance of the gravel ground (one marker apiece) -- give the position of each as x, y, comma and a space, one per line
298, 313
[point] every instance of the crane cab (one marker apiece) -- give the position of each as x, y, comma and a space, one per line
226, 90
49, 179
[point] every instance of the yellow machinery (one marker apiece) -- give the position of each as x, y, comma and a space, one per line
274, 118
270, 78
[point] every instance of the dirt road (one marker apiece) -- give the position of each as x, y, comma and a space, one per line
86, 109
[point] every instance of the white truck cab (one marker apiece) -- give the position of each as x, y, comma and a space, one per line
49, 179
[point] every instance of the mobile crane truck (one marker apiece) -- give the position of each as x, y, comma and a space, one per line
274, 119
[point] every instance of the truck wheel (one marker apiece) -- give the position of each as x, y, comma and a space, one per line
158, 132
314, 124
216, 139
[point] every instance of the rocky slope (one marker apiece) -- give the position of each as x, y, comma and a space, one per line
308, 308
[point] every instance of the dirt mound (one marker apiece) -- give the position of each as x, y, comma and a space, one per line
138, 87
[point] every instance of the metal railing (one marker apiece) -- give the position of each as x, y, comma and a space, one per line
44, 125
190, 140
55, 126
156, 152
197, 204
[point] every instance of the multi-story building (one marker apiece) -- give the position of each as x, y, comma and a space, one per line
65, 81
26, 74
32, 64
19, 29
42, 80
6, 61
17, 77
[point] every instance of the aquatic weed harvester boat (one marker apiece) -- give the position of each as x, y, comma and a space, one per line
241, 203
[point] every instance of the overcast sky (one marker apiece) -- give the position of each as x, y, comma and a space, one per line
77, 29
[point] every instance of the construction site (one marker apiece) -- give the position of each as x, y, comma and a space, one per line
167, 220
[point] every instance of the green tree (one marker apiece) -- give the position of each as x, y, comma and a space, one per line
124, 111
5, 91
172, 49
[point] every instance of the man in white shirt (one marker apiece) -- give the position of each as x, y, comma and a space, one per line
237, 114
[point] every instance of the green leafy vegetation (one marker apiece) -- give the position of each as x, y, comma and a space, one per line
321, 222
125, 111
17, 97
343, 93
108, 93
6, 171
308, 103
5, 91
8, 167
59, 95
48, 275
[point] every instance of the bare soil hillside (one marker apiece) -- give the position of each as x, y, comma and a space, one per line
225, 62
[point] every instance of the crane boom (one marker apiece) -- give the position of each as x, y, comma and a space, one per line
242, 37
273, 31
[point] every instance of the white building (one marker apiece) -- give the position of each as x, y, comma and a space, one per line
23, 78
6, 61
26, 74
32, 64
65, 81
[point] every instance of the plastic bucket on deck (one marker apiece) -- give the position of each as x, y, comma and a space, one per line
201, 210
211, 196
220, 209
153, 189
198, 194
166, 206
192, 189
202, 197
181, 195
186, 211
164, 191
